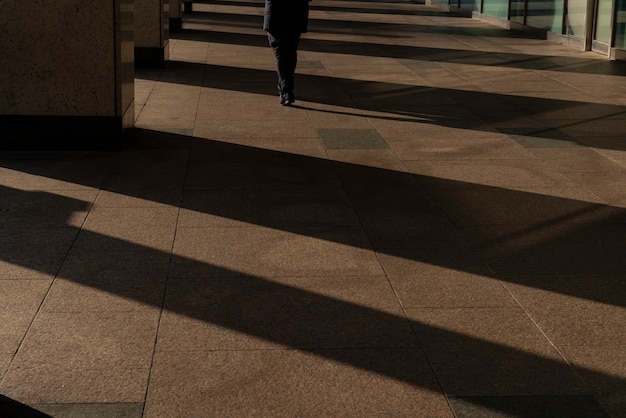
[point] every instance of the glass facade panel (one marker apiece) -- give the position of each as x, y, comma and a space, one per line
545, 14
603, 21
620, 25
473, 5
496, 8
576, 18
518, 11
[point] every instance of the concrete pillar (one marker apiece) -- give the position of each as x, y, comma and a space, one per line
176, 16
151, 33
67, 74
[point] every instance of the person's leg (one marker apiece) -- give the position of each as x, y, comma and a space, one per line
284, 47
280, 48
294, 40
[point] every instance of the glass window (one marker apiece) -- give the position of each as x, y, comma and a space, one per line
620, 25
603, 21
545, 14
518, 10
496, 8
473, 5
576, 18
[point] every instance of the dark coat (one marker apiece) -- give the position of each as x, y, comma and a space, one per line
286, 16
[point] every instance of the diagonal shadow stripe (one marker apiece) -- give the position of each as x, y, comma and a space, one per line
519, 235
513, 115
293, 317
564, 239
334, 7
194, 31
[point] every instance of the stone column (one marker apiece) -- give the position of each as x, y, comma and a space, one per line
176, 16
67, 74
151, 33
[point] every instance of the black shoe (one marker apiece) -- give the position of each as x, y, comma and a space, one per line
283, 100
290, 98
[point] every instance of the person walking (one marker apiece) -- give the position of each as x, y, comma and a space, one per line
285, 21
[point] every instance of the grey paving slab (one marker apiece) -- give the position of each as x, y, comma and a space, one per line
267, 207
266, 252
95, 410
289, 382
350, 138
509, 406
251, 313
435, 229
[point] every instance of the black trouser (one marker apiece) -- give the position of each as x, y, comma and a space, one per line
285, 48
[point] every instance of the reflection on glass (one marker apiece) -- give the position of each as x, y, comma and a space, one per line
575, 18
473, 5
545, 14
620, 25
517, 11
603, 21
496, 8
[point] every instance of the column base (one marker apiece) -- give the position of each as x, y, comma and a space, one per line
63, 133
148, 57
176, 25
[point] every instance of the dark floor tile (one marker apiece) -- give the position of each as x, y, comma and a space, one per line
352, 139
548, 139
527, 407
10, 408
310, 64
94, 410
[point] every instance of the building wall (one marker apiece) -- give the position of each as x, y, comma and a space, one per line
577, 26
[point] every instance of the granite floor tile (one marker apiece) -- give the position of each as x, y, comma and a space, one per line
460, 147
266, 252
34, 253
408, 226
267, 207
436, 130
84, 358
126, 280
559, 250
127, 237
337, 118
503, 174
427, 279
19, 303
92, 410
39, 209
546, 208
112, 292
581, 406
264, 170
57, 171
143, 200
345, 138
145, 183
396, 382
39, 182
262, 128
577, 160
12, 408
603, 370
546, 139
373, 187
489, 369
610, 186
307, 312
263, 108
384, 159
569, 320
465, 261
